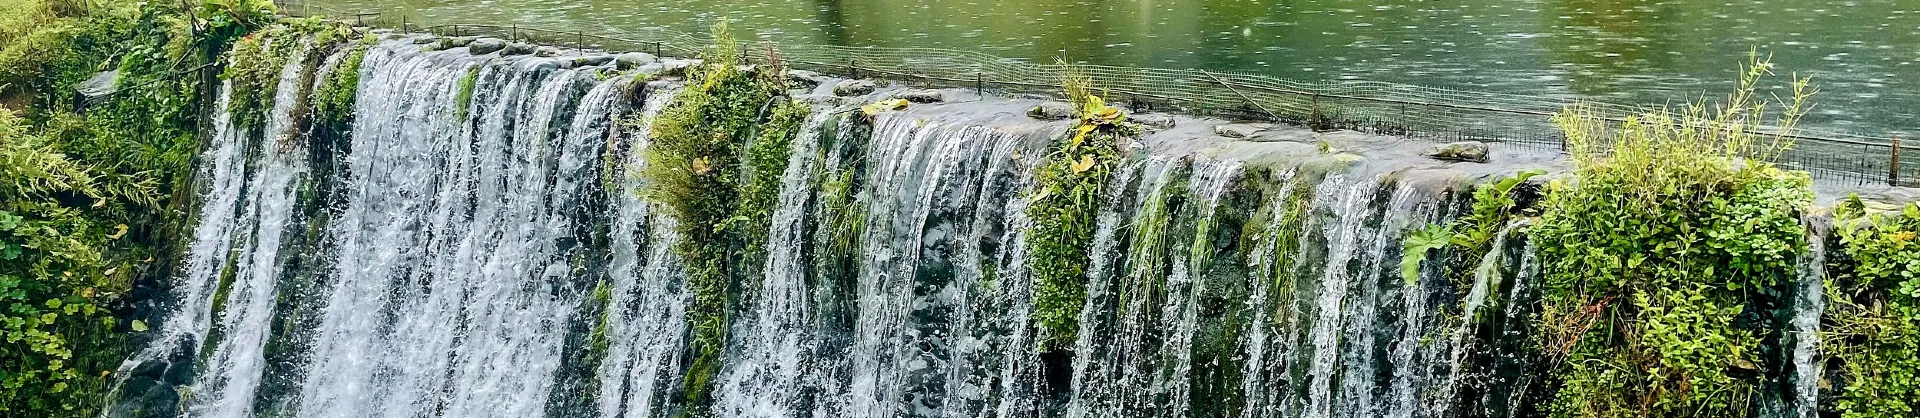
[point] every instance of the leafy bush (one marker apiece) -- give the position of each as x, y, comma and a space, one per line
1873, 315
84, 197
1674, 225
56, 278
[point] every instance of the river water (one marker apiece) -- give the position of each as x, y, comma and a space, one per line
1861, 54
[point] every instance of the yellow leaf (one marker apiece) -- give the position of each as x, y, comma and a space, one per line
139, 326
701, 166
884, 105
119, 231
1085, 163
110, 271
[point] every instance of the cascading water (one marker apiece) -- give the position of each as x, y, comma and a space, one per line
490, 251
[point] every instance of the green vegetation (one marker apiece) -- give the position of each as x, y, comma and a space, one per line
1873, 315
1065, 198
463, 99
1493, 206
87, 194
715, 163
1673, 225
334, 97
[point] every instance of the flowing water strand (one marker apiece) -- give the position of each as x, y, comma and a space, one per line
1487, 276
1808, 303
772, 340
1187, 286
645, 322
1111, 359
1105, 256
400, 142
225, 387
1262, 395
918, 195
991, 373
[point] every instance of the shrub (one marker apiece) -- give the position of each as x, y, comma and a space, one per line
1674, 225
1873, 316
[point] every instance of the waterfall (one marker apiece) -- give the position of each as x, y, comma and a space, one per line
487, 248
1809, 301
226, 387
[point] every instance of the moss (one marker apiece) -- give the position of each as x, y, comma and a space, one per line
463, 98
335, 97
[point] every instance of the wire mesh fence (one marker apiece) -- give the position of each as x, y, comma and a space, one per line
1419, 112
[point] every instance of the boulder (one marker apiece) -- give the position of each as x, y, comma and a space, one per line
424, 40
1473, 151
1051, 111
517, 48
632, 60
485, 46
453, 42
546, 51
803, 79
921, 95
1239, 130
1153, 120
853, 88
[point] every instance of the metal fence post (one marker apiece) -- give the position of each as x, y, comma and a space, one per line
1893, 163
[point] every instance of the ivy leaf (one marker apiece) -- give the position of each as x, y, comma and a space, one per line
1416, 247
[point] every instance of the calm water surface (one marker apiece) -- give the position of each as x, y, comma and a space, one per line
1861, 54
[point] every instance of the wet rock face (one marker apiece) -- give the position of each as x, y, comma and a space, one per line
1469, 151
853, 88
1051, 111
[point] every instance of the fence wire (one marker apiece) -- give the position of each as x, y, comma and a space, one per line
1420, 112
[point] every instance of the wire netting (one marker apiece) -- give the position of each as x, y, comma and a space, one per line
1413, 111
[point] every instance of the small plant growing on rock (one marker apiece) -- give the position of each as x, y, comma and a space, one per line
1063, 203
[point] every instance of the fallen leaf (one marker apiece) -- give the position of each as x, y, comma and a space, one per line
1085, 163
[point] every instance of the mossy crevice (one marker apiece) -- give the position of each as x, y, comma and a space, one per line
714, 164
